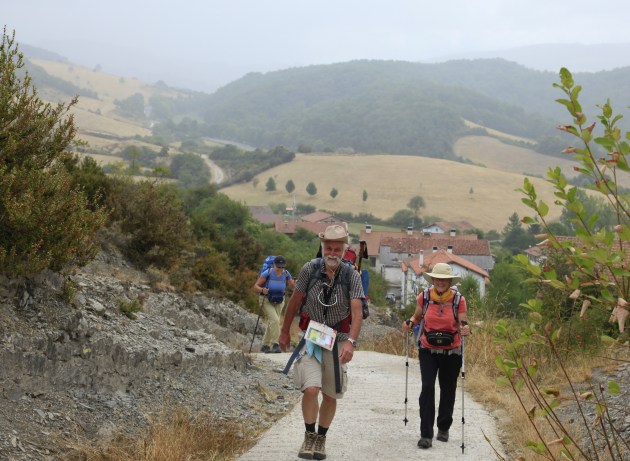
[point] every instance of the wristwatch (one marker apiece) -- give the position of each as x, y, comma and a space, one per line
353, 342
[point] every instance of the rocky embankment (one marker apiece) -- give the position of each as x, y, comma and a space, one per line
83, 369
75, 367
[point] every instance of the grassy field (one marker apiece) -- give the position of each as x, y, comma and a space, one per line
453, 191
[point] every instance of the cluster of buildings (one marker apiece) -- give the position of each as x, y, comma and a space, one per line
402, 258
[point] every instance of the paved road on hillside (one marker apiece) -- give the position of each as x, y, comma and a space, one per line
369, 422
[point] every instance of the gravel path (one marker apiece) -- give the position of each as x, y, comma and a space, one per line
369, 421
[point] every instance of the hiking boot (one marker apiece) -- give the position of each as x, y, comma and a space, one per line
265, 349
442, 436
424, 443
306, 452
276, 349
319, 449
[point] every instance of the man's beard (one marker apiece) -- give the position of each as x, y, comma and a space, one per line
332, 261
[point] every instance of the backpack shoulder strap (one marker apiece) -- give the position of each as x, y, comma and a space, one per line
456, 299
315, 266
426, 296
346, 278
267, 274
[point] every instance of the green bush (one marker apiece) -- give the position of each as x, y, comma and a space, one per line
152, 216
130, 308
46, 222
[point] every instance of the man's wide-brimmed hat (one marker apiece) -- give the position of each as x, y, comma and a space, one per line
441, 271
334, 233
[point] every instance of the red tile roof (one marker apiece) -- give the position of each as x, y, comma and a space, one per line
467, 244
443, 256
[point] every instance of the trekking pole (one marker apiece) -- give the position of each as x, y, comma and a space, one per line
260, 304
463, 380
406, 373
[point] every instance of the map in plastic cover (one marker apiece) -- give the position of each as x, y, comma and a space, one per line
320, 334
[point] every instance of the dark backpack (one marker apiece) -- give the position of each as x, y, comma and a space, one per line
346, 275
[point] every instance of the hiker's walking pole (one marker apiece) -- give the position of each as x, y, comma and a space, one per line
406, 373
463, 380
260, 304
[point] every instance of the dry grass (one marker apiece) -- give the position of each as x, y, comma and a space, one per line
453, 191
481, 373
174, 435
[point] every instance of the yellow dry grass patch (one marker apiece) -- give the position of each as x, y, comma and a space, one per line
451, 190
108, 86
99, 115
492, 153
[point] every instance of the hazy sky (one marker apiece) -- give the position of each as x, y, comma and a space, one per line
203, 44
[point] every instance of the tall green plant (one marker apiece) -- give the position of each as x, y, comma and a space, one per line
590, 268
45, 220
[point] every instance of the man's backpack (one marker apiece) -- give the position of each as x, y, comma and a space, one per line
346, 275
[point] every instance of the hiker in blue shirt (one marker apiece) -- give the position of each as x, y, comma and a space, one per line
271, 285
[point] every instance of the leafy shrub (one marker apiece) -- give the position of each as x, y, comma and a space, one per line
157, 228
130, 308
45, 221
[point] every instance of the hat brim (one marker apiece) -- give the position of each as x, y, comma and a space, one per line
429, 278
338, 239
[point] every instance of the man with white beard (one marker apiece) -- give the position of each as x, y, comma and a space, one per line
332, 300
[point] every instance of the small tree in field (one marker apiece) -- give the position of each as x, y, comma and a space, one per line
311, 188
365, 195
270, 186
415, 203
45, 221
290, 186
333, 193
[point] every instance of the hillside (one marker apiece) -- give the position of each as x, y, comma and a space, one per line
389, 181
453, 191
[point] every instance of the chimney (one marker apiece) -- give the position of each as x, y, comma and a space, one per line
449, 249
434, 249
453, 232
368, 228
421, 258
409, 230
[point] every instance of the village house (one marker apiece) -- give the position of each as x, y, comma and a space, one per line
413, 270
389, 250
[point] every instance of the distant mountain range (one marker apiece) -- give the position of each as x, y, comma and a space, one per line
553, 56
401, 107
208, 76
374, 106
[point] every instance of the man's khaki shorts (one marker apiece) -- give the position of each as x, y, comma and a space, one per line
308, 372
